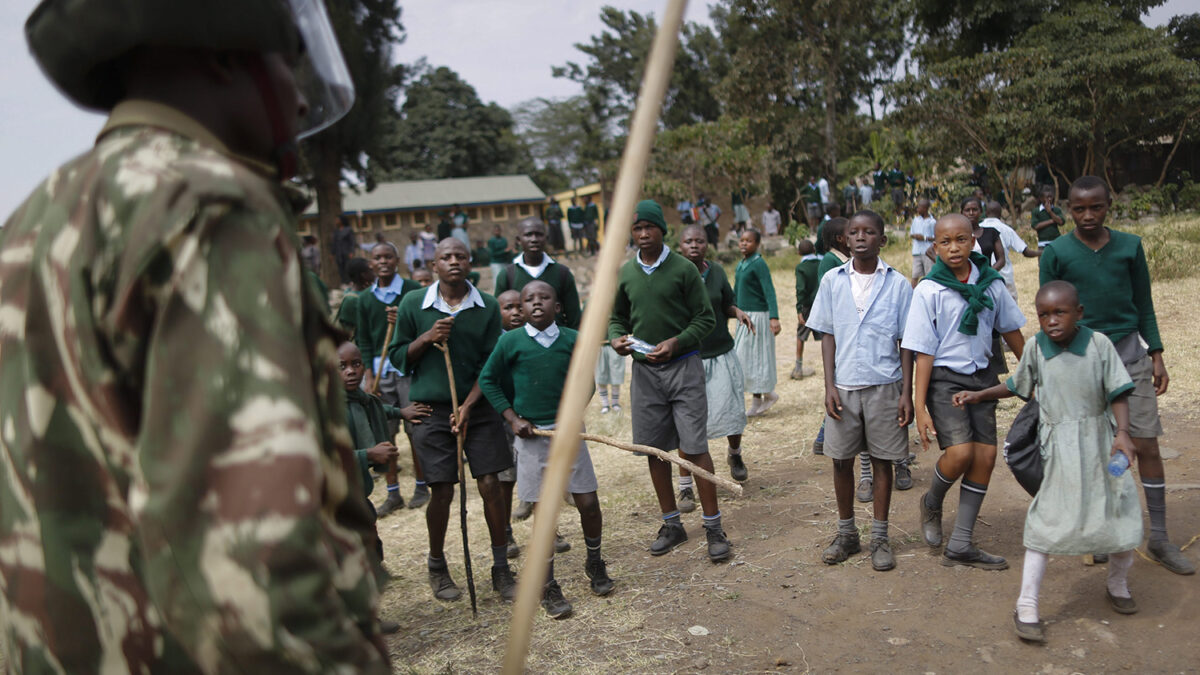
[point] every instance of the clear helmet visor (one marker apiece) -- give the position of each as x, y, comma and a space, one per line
321, 74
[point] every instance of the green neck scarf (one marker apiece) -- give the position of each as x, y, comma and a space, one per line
975, 294
364, 416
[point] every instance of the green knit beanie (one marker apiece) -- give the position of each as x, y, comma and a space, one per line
649, 211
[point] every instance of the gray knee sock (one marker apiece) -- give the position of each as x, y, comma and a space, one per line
847, 526
864, 466
879, 529
970, 498
712, 522
938, 487
1156, 504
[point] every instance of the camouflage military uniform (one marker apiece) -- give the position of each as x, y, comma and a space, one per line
177, 487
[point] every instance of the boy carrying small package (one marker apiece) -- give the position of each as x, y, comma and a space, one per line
523, 379
860, 309
1081, 508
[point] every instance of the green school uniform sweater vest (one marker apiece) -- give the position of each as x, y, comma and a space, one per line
498, 248
754, 288
1051, 231
366, 417
831, 260
670, 303
1113, 284
559, 277
806, 285
471, 341
371, 327
720, 295
527, 377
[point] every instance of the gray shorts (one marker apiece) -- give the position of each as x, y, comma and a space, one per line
533, 455
968, 424
393, 390
868, 425
1143, 402
670, 408
921, 266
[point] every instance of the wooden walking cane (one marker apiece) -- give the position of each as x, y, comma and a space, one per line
387, 342
462, 478
578, 387
661, 454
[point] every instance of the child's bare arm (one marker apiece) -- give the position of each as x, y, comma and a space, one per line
922, 371
1015, 342
415, 412
520, 426
833, 402
1123, 442
904, 413
990, 394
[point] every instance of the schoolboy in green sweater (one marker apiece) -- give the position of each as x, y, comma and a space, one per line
1047, 219
661, 301
523, 379
533, 263
806, 292
375, 305
1109, 270
452, 312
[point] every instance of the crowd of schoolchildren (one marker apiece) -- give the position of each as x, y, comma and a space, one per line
923, 354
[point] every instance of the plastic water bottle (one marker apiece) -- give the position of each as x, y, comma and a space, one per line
640, 346
1118, 464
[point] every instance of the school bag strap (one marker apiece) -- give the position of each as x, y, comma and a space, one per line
1023, 448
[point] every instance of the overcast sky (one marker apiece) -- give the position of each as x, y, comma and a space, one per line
503, 48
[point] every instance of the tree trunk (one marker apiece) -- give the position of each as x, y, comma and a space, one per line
1162, 176
327, 173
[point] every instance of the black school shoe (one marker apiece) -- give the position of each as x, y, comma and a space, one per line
1121, 605
841, 548
1029, 631
882, 559
974, 557
554, 602
394, 502
514, 549
931, 524
1170, 556
597, 574
904, 479
737, 468
443, 586
504, 583
718, 544
669, 536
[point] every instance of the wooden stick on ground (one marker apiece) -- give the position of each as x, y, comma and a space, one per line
462, 478
671, 457
578, 387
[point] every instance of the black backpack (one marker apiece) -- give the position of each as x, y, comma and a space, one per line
1023, 448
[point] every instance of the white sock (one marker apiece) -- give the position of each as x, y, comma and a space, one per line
1118, 573
1031, 583
603, 396
685, 482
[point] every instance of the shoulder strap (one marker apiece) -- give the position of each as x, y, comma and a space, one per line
511, 271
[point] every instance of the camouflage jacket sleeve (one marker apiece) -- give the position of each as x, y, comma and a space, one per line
245, 489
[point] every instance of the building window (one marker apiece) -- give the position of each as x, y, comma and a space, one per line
472, 214
391, 221
362, 223
523, 210
497, 213
419, 217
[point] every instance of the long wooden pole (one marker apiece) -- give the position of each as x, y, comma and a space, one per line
578, 388
661, 454
462, 477
387, 342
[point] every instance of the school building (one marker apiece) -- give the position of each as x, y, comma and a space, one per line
397, 208
599, 198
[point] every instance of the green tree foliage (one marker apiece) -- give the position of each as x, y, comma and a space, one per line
706, 157
612, 73
356, 147
1185, 28
564, 140
445, 131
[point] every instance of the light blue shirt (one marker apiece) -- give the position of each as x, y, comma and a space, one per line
387, 295
544, 338
867, 351
922, 226
649, 269
932, 326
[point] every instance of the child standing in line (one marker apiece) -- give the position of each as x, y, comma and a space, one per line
954, 311
511, 318
1081, 508
836, 255
723, 378
756, 348
453, 312
860, 310
1109, 269
661, 301
1047, 219
375, 306
921, 233
806, 292
531, 363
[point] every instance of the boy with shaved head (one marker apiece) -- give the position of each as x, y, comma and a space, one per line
533, 263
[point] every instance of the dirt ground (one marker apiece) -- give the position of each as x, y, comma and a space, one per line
776, 607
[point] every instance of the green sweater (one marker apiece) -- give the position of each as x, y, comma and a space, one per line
831, 260
720, 295
370, 328
498, 247
557, 275
366, 417
755, 290
481, 257
534, 375
806, 284
669, 303
1051, 231
1113, 284
591, 213
471, 341
347, 315
575, 215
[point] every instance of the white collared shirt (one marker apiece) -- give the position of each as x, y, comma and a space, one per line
534, 272
649, 269
434, 299
861, 284
544, 338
